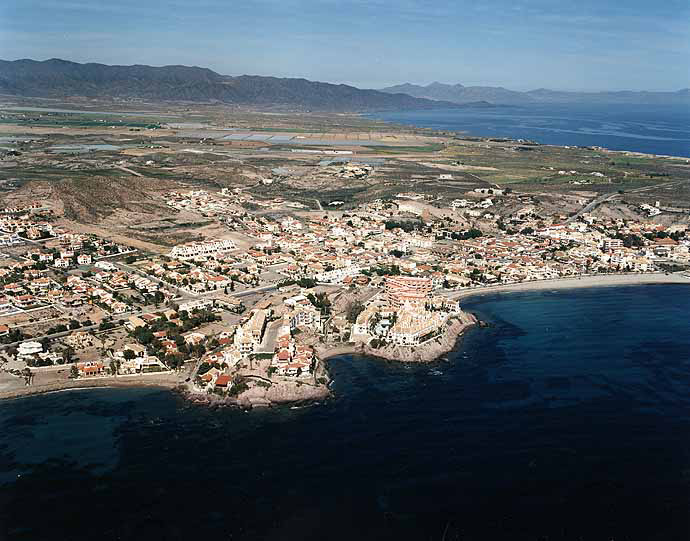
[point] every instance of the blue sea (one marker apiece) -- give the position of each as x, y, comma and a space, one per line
567, 419
653, 129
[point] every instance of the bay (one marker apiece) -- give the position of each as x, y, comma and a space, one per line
568, 418
653, 129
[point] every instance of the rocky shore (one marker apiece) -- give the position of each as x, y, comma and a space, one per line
427, 352
278, 393
430, 350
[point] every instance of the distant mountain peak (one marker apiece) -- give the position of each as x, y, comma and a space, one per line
436, 84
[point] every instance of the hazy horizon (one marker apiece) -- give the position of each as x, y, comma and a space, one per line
520, 45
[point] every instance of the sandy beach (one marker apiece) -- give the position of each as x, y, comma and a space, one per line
18, 388
607, 280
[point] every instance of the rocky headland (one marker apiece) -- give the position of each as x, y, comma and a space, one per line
427, 352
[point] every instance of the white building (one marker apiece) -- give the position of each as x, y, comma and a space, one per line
26, 349
201, 304
336, 276
197, 249
106, 266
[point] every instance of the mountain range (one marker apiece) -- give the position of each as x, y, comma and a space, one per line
460, 94
57, 78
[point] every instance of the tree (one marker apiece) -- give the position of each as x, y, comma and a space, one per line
353, 310
105, 325
129, 354
74, 372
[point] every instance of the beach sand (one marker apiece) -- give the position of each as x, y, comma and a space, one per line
165, 380
577, 282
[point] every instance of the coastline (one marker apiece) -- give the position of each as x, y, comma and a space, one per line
588, 281
461, 133
434, 349
164, 381
279, 393
288, 392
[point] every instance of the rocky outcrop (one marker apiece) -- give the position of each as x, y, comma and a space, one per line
278, 392
428, 351
423, 353
284, 392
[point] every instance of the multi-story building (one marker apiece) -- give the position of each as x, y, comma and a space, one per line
408, 291
612, 244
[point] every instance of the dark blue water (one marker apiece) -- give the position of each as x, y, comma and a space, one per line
568, 419
654, 129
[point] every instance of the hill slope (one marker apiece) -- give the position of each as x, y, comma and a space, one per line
59, 78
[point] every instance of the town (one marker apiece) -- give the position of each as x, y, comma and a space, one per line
253, 315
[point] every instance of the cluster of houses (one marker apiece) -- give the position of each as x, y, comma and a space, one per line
248, 340
195, 277
210, 248
348, 248
407, 252
72, 249
292, 359
207, 203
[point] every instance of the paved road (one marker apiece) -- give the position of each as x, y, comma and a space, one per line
183, 293
143, 310
54, 335
589, 207
247, 292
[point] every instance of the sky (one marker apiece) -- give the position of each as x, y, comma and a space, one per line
518, 44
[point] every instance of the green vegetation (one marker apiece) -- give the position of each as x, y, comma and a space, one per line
321, 301
353, 310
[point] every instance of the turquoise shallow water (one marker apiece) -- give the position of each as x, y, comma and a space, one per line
569, 418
